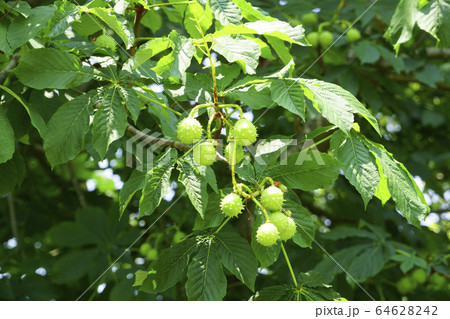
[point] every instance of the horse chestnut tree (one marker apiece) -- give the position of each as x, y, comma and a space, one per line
179, 147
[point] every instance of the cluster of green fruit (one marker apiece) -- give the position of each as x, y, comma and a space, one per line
278, 226
325, 38
418, 277
190, 130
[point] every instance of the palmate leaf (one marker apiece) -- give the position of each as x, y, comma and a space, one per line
195, 184
119, 24
175, 63
110, 121
206, 279
67, 128
157, 183
434, 18
226, 11
360, 166
307, 170
51, 68
237, 256
238, 49
7, 146
169, 268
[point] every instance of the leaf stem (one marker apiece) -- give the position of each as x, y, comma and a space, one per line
223, 224
289, 265
319, 142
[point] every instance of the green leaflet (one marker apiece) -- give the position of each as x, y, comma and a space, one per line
110, 121
150, 49
131, 100
51, 68
305, 225
194, 13
402, 23
434, 18
175, 63
157, 183
169, 268
237, 49
67, 128
64, 14
360, 166
404, 191
7, 145
119, 24
307, 170
12, 173
226, 11
135, 183
289, 94
251, 13
195, 184
237, 256
206, 279
23, 29
336, 104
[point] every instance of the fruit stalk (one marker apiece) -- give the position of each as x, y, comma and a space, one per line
289, 264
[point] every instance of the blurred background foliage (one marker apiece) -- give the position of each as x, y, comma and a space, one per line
60, 228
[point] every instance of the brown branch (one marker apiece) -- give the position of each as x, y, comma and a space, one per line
12, 64
140, 12
76, 185
161, 141
9, 11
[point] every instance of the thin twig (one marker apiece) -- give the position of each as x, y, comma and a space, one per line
76, 185
11, 65
161, 141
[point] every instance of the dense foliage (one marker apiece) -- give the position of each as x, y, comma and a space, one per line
224, 149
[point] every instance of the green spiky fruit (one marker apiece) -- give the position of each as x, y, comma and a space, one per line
178, 237
313, 38
205, 154
231, 205
272, 198
189, 130
106, 41
144, 249
326, 39
152, 254
244, 132
239, 153
419, 275
267, 234
309, 18
353, 35
285, 225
